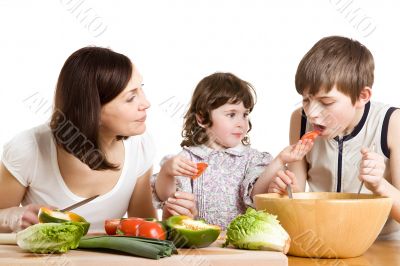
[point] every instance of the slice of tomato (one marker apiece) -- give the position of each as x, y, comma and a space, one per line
111, 226
311, 135
130, 226
201, 167
154, 230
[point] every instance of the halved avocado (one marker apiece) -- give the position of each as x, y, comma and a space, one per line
46, 215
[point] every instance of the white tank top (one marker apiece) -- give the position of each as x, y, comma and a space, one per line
334, 164
31, 158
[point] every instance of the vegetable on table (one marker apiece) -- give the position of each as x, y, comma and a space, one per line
152, 230
46, 215
142, 247
50, 237
201, 167
133, 226
189, 233
257, 230
111, 226
129, 226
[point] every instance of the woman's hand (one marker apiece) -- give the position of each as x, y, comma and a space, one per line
179, 166
295, 152
19, 218
181, 203
372, 169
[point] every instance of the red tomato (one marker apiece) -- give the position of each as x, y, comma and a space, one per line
200, 169
111, 226
152, 230
130, 226
311, 135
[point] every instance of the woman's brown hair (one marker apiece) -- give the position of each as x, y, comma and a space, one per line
212, 92
336, 61
90, 78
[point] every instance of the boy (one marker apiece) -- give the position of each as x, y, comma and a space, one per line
357, 139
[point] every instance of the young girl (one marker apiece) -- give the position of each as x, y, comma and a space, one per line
215, 132
95, 144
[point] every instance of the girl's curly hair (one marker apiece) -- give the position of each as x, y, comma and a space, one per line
212, 92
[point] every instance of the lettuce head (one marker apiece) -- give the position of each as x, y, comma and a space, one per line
50, 237
257, 230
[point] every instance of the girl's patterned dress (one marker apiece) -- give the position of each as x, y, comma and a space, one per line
223, 191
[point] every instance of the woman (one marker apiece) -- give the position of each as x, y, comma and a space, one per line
95, 144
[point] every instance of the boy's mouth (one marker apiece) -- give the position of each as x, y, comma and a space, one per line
318, 127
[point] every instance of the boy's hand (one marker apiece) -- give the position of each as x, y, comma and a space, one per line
279, 183
372, 169
179, 166
296, 151
182, 203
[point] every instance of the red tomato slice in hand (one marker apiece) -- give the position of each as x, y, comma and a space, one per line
130, 226
152, 230
312, 135
111, 226
201, 167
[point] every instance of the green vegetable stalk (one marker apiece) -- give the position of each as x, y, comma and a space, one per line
50, 237
257, 230
141, 247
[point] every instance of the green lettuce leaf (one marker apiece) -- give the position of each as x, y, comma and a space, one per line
257, 230
50, 237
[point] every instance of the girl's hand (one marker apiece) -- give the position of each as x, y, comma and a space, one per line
279, 183
372, 169
182, 203
296, 151
179, 166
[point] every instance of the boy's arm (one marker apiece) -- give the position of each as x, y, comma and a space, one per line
393, 190
299, 168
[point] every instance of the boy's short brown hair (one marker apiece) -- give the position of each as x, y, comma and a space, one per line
336, 61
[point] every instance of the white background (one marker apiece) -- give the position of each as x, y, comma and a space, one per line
175, 43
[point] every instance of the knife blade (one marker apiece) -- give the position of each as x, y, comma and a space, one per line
78, 204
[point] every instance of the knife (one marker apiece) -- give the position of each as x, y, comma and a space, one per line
78, 204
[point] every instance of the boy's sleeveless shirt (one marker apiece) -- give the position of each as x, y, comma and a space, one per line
334, 164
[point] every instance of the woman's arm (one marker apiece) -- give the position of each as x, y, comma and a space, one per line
141, 204
13, 217
11, 191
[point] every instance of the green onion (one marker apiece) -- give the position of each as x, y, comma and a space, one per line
141, 247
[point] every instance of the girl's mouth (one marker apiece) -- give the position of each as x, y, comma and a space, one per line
237, 135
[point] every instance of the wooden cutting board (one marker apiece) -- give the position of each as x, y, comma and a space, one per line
214, 255
8, 238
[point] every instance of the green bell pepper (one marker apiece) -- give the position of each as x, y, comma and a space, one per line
188, 233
